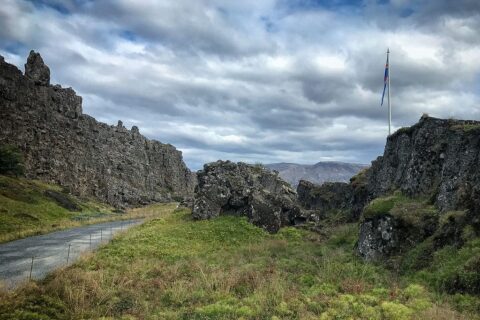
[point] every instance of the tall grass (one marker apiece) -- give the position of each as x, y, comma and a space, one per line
174, 268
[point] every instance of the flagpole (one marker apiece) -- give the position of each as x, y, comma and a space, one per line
389, 104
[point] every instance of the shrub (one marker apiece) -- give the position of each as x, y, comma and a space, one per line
11, 160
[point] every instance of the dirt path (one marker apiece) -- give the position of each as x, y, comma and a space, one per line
52, 250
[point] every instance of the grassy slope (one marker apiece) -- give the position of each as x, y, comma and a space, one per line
175, 268
25, 210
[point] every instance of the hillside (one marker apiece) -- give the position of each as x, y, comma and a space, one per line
176, 268
62, 145
31, 207
317, 173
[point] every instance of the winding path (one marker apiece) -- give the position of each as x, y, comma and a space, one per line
53, 250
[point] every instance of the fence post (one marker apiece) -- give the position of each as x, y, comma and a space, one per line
101, 235
31, 269
68, 254
90, 243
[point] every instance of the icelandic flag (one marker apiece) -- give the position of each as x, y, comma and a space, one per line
385, 81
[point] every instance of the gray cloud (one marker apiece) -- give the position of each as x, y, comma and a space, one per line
257, 81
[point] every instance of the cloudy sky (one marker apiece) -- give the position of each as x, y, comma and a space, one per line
256, 80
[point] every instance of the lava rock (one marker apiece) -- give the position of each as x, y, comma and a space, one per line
377, 238
240, 189
36, 70
62, 145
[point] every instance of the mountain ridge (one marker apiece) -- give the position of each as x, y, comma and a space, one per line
318, 173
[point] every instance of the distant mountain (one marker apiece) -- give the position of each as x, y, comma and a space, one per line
319, 173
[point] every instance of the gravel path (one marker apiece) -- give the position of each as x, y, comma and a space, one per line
53, 250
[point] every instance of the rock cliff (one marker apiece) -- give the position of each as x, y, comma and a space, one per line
426, 184
435, 158
436, 162
240, 189
62, 145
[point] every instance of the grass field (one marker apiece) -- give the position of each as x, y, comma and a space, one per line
175, 268
26, 209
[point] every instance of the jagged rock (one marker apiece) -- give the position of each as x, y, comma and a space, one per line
62, 145
36, 70
240, 189
330, 196
436, 159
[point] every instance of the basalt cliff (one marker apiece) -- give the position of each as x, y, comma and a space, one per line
60, 144
426, 186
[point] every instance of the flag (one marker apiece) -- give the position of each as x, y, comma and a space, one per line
385, 81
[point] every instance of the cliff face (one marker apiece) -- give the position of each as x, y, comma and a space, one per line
426, 185
435, 158
64, 146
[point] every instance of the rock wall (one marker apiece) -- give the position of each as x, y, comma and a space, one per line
436, 158
240, 189
62, 145
436, 162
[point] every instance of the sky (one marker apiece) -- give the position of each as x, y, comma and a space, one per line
259, 81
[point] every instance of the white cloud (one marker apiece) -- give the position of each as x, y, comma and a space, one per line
257, 81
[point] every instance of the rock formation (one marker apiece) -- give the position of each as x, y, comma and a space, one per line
326, 197
435, 159
62, 145
428, 173
240, 189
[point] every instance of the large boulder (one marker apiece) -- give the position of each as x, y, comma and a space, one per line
240, 189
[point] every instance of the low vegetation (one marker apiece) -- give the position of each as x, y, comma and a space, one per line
467, 127
29, 207
11, 160
225, 268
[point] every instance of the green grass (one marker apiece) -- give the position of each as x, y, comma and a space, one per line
410, 210
174, 268
468, 127
26, 210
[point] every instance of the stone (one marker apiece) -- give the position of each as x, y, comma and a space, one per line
377, 238
36, 70
436, 159
62, 145
227, 188
330, 196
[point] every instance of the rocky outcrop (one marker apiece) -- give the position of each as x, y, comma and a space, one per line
36, 70
330, 196
60, 144
437, 160
240, 189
